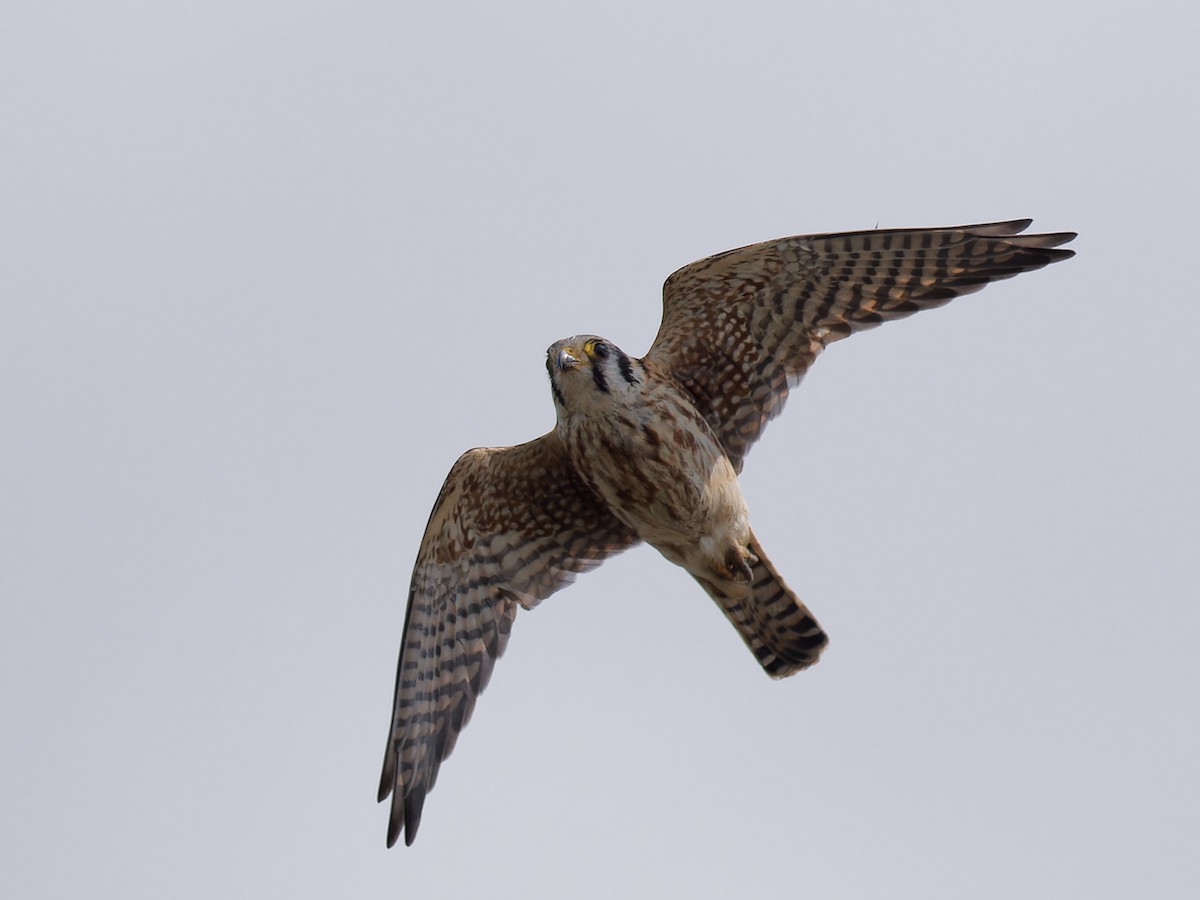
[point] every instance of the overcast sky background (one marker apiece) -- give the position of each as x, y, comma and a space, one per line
268, 268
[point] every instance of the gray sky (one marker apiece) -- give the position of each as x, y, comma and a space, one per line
268, 268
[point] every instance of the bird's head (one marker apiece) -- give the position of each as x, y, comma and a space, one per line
586, 370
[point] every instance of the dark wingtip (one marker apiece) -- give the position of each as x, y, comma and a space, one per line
998, 229
405, 816
1038, 250
394, 823
387, 778
1046, 241
1012, 229
412, 815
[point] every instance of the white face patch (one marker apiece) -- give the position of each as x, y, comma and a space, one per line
589, 375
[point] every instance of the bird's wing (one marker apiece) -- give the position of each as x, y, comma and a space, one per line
511, 526
742, 327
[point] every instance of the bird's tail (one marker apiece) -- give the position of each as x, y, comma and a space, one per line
779, 630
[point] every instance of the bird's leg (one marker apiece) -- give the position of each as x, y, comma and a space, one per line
736, 565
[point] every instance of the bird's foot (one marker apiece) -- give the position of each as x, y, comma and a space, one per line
736, 565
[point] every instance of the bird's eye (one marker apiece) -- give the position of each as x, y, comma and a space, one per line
596, 348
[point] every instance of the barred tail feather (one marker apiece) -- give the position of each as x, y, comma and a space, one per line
776, 626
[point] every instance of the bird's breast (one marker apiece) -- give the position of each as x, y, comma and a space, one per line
658, 466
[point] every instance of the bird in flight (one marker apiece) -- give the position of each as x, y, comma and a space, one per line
649, 450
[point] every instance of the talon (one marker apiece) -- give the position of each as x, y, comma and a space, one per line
736, 567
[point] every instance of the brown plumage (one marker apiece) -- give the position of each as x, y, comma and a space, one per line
649, 450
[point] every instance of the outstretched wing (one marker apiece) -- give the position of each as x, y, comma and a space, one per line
742, 327
511, 526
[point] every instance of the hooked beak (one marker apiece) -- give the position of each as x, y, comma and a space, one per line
566, 360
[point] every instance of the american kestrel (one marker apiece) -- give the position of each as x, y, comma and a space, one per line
649, 450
